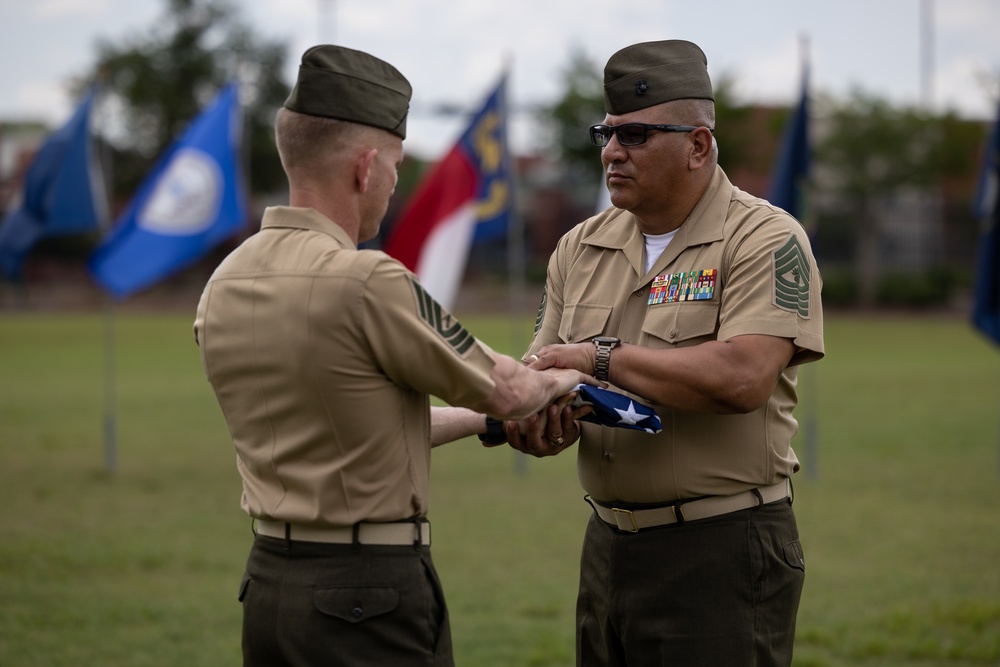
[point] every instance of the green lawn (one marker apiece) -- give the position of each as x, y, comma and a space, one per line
897, 510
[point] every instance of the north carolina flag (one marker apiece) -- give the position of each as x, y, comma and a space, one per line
468, 195
191, 201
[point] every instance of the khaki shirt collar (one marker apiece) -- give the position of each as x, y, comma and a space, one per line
620, 232
704, 225
305, 218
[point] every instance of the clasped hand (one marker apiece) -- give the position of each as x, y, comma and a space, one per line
555, 428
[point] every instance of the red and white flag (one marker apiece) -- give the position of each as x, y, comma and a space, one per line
466, 196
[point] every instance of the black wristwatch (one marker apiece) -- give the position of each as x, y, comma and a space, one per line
495, 435
602, 362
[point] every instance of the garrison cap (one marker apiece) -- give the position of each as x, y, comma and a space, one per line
651, 73
344, 84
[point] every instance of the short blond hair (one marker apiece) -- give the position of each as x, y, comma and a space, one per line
313, 145
309, 142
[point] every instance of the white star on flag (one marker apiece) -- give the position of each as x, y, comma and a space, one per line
609, 409
630, 416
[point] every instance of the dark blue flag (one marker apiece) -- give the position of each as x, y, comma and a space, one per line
63, 191
792, 168
191, 200
617, 410
986, 206
487, 139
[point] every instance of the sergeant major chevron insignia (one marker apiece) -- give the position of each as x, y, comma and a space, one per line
791, 277
441, 320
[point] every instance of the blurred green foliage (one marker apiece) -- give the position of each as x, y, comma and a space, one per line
160, 80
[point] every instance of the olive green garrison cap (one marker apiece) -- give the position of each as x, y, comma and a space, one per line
341, 83
651, 73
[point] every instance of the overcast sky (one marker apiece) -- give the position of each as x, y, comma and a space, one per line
454, 50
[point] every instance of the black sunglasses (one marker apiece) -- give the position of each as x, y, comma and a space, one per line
633, 134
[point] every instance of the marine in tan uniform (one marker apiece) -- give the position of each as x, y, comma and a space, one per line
323, 358
702, 301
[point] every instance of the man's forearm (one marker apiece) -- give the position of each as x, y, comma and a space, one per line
450, 424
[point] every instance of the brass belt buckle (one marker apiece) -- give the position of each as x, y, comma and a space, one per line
631, 518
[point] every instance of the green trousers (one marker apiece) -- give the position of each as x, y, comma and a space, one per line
719, 592
339, 605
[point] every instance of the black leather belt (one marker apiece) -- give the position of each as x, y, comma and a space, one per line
396, 533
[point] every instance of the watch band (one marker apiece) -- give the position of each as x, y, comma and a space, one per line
495, 435
602, 363
602, 358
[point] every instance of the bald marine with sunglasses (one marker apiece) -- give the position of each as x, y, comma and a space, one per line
700, 300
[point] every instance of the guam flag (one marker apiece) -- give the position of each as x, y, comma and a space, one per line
467, 196
190, 201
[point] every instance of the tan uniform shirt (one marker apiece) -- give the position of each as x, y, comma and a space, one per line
736, 266
322, 358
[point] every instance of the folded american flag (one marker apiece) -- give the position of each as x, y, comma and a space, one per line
617, 410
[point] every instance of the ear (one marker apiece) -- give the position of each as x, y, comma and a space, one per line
701, 148
363, 168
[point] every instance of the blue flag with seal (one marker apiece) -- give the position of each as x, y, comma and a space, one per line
986, 206
191, 201
63, 191
792, 168
616, 410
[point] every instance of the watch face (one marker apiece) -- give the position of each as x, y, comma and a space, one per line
606, 340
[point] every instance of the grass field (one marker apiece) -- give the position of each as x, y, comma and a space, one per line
898, 510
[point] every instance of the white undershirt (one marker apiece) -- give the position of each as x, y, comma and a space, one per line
655, 245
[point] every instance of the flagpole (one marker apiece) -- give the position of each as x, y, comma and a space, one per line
110, 389
516, 255
927, 54
810, 383
103, 176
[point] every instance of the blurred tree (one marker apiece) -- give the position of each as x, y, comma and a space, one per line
580, 106
731, 119
158, 82
872, 151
